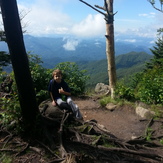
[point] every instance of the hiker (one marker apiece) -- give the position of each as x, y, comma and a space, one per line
60, 94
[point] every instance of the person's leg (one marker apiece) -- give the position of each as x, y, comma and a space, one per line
62, 104
75, 108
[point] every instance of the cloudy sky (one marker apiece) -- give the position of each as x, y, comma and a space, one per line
72, 17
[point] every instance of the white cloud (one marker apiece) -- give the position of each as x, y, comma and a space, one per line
44, 19
93, 25
144, 15
130, 40
149, 15
152, 42
71, 45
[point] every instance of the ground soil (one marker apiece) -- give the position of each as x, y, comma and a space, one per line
122, 121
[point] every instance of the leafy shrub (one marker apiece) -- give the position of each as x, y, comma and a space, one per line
124, 92
75, 78
11, 111
40, 77
150, 87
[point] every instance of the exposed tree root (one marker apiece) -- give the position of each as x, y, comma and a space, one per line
65, 140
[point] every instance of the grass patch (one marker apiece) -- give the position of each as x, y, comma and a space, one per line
107, 99
5, 158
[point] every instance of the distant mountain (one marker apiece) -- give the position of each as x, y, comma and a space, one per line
89, 54
126, 65
60, 49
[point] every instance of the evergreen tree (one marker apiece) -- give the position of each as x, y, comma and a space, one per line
157, 51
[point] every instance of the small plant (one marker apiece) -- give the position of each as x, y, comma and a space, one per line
161, 141
11, 111
117, 101
5, 158
105, 100
106, 143
149, 132
124, 92
158, 111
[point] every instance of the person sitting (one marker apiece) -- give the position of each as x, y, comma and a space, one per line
59, 90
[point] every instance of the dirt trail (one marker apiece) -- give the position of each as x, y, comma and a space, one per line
121, 122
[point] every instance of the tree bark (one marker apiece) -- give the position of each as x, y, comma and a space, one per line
19, 61
110, 52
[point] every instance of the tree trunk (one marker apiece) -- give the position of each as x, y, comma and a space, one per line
109, 18
110, 46
19, 60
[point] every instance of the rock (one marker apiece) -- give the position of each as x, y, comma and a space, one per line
133, 137
102, 88
111, 106
48, 110
144, 113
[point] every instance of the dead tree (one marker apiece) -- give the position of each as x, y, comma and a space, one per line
110, 53
152, 2
19, 59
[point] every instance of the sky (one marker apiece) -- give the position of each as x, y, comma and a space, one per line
72, 17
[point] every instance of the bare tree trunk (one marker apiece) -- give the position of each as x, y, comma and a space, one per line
110, 53
109, 18
19, 60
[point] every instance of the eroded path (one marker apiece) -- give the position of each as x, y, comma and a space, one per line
121, 122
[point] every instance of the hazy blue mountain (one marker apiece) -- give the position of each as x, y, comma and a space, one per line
60, 49
90, 54
88, 49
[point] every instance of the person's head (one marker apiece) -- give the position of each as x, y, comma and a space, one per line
57, 75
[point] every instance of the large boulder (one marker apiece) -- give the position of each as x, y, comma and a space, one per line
102, 89
47, 109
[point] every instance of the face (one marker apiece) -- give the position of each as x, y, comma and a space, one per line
58, 78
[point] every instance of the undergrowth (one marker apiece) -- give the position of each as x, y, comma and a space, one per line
107, 99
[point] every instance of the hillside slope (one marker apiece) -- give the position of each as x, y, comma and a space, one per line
126, 65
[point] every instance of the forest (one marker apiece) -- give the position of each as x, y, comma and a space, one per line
25, 128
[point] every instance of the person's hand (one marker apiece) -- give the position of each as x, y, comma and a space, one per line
61, 91
54, 103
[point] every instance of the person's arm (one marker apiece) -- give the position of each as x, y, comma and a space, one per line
61, 91
51, 95
65, 90
53, 101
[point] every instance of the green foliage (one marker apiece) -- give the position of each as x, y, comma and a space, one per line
150, 87
124, 92
161, 141
148, 135
11, 112
126, 65
4, 158
40, 77
135, 79
4, 58
3, 75
157, 50
75, 78
105, 100
116, 101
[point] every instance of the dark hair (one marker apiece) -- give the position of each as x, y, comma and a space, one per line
56, 72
